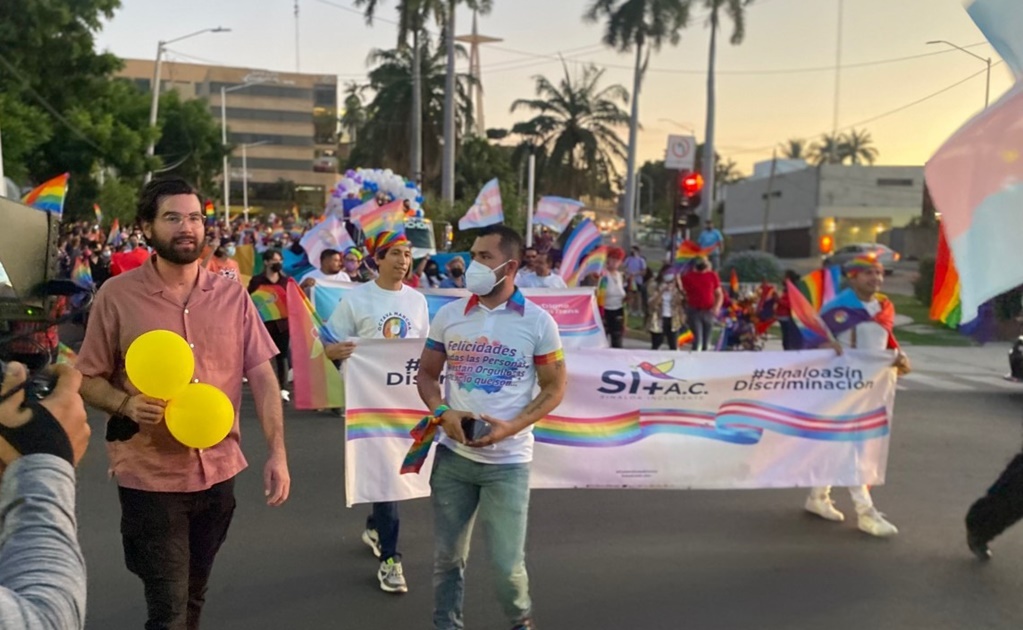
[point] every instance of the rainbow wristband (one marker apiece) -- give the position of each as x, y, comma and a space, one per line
440, 411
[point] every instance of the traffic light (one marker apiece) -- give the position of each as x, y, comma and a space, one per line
690, 185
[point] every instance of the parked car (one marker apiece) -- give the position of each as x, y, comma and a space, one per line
884, 254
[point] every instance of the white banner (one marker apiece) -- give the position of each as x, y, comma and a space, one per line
652, 420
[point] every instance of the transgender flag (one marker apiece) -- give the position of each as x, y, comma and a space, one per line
556, 212
317, 382
585, 237
374, 219
487, 210
327, 234
976, 178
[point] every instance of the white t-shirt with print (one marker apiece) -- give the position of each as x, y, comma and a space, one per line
369, 312
491, 366
869, 335
316, 274
533, 281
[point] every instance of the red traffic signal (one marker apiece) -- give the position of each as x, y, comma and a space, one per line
691, 184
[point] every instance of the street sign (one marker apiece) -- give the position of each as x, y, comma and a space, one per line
681, 153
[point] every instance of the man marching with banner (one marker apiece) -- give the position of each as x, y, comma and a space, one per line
860, 318
497, 346
382, 309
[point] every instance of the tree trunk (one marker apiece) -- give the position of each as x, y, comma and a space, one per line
448, 160
630, 176
708, 142
416, 167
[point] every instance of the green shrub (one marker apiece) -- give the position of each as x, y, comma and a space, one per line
923, 286
751, 266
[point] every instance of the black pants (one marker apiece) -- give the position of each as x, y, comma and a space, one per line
669, 335
1001, 507
791, 338
283, 342
614, 325
170, 540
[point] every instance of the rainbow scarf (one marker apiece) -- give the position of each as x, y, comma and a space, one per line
423, 435
271, 302
49, 196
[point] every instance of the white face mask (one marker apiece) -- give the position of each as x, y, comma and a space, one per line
481, 279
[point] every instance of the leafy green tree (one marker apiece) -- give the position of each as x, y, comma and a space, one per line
858, 147
189, 141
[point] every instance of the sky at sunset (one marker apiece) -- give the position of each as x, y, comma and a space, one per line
778, 84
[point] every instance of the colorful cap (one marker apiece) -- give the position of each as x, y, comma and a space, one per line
355, 251
865, 261
386, 240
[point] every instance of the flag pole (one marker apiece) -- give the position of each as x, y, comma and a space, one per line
531, 201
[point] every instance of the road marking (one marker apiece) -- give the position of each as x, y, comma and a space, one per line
994, 381
937, 383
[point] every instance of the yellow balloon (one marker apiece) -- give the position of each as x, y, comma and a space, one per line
200, 416
160, 364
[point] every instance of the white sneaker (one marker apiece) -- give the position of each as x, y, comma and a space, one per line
285, 395
392, 577
875, 524
371, 538
824, 508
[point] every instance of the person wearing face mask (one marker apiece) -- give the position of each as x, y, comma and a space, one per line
495, 348
354, 267
432, 277
704, 298
456, 274
665, 316
222, 264
273, 274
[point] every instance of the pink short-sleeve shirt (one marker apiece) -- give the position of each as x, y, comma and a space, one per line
221, 324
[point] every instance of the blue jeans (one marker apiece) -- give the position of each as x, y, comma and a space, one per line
384, 519
462, 489
702, 325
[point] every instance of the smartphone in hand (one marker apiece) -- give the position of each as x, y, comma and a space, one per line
475, 429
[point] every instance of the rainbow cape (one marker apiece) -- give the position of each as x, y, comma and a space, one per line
846, 312
49, 196
271, 302
317, 382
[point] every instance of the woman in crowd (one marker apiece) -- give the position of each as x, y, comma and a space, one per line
665, 309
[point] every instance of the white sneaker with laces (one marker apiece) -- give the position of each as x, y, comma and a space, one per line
874, 523
285, 395
392, 577
372, 538
824, 508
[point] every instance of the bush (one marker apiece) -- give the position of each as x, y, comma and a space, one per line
923, 286
753, 266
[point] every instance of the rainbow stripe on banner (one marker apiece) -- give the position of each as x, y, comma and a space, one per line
740, 422
585, 237
361, 424
48, 196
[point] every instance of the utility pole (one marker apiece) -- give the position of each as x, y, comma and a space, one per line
297, 64
767, 202
838, 85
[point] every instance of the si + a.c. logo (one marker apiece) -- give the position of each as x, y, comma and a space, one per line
648, 379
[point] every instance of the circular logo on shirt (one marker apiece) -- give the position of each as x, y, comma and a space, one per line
841, 317
394, 327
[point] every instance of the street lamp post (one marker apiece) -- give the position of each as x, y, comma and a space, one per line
986, 60
245, 174
155, 103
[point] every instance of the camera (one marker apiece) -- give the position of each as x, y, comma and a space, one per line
38, 386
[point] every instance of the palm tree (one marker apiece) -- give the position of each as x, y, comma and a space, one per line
412, 17
385, 137
794, 149
858, 146
640, 24
448, 165
354, 116
827, 150
574, 127
736, 10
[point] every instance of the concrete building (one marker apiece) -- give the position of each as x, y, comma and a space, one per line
853, 204
295, 115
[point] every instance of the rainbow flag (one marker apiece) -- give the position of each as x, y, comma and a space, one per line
210, 211
686, 336
688, 251
98, 212
271, 301
945, 305
49, 196
81, 273
594, 262
374, 219
821, 285
733, 283
585, 237
114, 237
807, 319
317, 382
487, 210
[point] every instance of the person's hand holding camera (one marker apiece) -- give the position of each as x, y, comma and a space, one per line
56, 425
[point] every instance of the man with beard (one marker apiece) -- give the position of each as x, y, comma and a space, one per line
177, 502
456, 274
383, 309
497, 347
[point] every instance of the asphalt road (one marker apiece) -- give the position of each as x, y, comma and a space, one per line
602, 560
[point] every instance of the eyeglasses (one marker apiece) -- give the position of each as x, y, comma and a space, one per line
175, 219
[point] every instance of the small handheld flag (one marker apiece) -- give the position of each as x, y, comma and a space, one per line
585, 237
49, 196
556, 212
487, 210
807, 319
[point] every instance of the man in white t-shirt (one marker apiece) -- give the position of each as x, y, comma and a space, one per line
861, 318
382, 309
526, 271
330, 269
497, 347
543, 277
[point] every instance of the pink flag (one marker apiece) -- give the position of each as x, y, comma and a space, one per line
487, 210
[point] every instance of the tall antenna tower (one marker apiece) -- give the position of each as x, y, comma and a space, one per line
297, 64
474, 40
